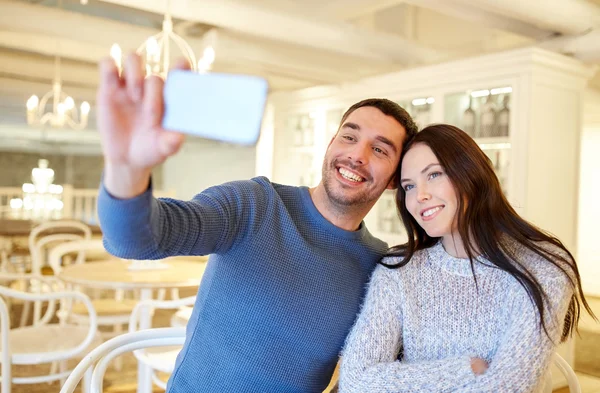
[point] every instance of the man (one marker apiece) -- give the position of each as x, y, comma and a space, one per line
288, 265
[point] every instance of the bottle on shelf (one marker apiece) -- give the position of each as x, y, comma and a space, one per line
422, 115
503, 118
297, 131
488, 119
468, 119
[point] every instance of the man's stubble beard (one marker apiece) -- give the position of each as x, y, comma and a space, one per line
339, 197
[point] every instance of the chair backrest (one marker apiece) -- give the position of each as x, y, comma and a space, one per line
102, 355
80, 246
65, 298
51, 232
5, 356
38, 252
564, 367
153, 304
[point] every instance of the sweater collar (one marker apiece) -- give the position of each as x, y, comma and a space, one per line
322, 222
438, 256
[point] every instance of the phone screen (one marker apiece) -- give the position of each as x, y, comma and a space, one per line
224, 107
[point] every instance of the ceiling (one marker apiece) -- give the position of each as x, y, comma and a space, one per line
294, 44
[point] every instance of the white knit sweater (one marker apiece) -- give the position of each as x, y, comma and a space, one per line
432, 313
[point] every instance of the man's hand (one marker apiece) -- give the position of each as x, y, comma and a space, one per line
479, 366
130, 111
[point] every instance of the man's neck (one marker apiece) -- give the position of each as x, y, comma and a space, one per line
345, 217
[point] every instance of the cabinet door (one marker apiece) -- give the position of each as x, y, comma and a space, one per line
485, 116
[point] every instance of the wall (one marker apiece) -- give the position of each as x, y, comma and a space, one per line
202, 163
589, 191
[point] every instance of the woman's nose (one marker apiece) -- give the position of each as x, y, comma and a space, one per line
423, 194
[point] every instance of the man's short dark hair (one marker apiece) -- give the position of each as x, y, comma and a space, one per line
389, 108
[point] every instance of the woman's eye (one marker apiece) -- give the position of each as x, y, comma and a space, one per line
408, 187
433, 175
347, 137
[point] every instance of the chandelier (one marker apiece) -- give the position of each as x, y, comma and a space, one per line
41, 199
156, 51
63, 111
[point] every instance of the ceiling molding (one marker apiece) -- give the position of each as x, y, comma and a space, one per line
564, 16
350, 9
471, 12
585, 47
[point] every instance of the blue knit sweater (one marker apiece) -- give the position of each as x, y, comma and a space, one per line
280, 292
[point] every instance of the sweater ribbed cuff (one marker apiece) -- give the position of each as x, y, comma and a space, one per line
118, 216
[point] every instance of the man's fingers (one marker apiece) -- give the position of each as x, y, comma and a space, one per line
170, 142
182, 64
109, 75
153, 99
134, 77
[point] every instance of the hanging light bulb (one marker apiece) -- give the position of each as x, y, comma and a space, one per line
85, 107
117, 54
209, 54
69, 103
32, 102
207, 60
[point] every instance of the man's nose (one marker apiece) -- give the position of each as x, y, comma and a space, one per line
359, 154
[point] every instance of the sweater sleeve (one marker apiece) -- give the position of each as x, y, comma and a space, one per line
369, 361
148, 228
524, 353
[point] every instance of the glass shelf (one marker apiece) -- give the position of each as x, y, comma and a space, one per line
485, 116
332, 123
301, 147
419, 109
387, 216
480, 113
500, 160
302, 127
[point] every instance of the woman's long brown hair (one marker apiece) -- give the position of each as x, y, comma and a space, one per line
487, 219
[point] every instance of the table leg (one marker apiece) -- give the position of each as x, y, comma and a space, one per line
145, 322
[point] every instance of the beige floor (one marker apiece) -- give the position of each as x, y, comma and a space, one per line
589, 384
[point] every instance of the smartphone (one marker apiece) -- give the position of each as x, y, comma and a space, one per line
223, 107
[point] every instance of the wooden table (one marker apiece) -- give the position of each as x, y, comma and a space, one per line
14, 235
114, 274
13, 228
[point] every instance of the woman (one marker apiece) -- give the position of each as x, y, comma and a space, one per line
478, 298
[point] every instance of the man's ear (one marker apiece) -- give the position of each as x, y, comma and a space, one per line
392, 184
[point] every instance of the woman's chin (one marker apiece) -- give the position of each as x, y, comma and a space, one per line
435, 233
